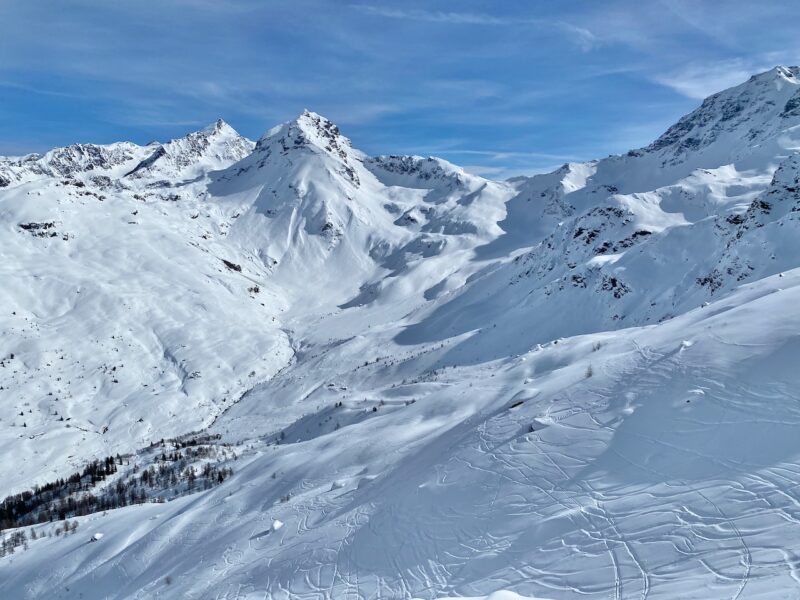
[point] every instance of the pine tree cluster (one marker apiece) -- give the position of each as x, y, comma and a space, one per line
169, 474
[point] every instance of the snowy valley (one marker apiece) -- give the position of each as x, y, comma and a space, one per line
306, 372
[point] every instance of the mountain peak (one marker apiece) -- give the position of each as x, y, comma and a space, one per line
309, 130
789, 73
322, 132
738, 120
218, 126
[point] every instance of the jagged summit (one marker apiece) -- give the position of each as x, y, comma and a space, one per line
309, 130
216, 127
320, 130
309, 135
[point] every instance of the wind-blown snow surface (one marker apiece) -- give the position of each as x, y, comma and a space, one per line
575, 384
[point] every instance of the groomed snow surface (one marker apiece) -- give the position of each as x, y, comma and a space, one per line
582, 384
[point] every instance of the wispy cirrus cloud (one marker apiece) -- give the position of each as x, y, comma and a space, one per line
41, 91
581, 36
484, 170
418, 14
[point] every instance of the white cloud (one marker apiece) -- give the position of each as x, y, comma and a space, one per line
483, 170
582, 37
415, 14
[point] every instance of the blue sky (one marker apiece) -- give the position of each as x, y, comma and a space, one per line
501, 87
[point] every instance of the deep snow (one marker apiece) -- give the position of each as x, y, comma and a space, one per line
573, 384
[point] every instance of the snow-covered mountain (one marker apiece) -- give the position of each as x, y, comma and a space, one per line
305, 372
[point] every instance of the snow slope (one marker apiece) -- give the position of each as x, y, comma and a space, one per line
573, 384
